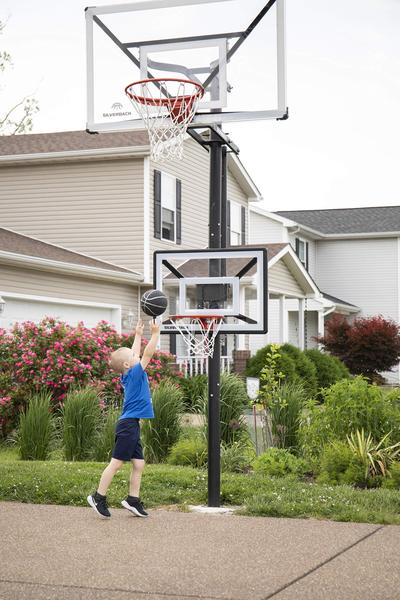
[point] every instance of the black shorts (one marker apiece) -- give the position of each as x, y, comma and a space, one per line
127, 440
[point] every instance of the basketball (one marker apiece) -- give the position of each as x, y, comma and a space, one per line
154, 303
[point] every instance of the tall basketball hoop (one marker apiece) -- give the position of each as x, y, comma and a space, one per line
166, 106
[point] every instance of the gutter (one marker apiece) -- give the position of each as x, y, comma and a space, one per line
136, 151
55, 266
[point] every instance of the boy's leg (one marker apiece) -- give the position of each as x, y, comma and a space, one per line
108, 474
133, 503
98, 500
136, 477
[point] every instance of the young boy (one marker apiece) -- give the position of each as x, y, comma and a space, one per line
137, 405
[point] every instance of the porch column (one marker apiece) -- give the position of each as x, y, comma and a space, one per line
283, 321
301, 323
241, 338
321, 326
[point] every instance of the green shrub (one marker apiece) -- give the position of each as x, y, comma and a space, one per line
292, 363
392, 482
349, 404
234, 400
105, 438
238, 456
279, 462
285, 364
162, 432
355, 475
194, 391
285, 409
376, 457
305, 368
189, 451
335, 460
393, 396
36, 429
329, 368
81, 418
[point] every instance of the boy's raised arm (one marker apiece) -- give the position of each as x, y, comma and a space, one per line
138, 337
152, 345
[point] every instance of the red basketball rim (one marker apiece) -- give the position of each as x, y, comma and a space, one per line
199, 93
204, 319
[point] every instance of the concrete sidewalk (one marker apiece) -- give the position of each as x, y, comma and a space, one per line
68, 553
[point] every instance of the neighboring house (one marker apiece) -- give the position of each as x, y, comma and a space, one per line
352, 254
82, 215
70, 198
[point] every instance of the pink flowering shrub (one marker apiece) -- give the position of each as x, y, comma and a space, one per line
53, 356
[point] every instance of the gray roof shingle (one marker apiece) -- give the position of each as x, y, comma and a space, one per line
337, 300
194, 268
347, 220
17, 243
64, 141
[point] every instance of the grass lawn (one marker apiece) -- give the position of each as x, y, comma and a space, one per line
68, 483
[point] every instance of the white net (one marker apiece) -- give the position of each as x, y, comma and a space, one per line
199, 333
166, 106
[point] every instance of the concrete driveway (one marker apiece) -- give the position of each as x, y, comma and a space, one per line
68, 553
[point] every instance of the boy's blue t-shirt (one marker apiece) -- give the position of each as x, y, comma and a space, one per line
137, 397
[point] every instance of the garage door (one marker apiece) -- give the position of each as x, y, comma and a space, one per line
18, 309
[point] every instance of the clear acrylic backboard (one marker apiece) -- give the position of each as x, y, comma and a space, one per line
234, 48
228, 282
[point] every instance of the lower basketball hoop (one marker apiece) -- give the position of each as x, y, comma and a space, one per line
166, 106
204, 327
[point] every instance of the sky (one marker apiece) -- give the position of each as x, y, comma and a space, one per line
340, 146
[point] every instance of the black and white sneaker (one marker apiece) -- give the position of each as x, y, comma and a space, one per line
99, 504
134, 506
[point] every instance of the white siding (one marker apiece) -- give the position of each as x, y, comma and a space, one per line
236, 194
93, 207
265, 231
281, 279
362, 272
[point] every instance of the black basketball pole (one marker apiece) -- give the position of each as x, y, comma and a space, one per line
214, 361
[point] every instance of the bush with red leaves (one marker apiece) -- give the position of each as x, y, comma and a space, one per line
367, 346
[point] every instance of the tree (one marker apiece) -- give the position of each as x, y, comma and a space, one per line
18, 118
367, 346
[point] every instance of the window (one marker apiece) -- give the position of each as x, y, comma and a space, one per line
302, 251
236, 224
168, 207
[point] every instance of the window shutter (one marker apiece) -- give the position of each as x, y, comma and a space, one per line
178, 212
297, 248
243, 225
307, 256
228, 223
157, 204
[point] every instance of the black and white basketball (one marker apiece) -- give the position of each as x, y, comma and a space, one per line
154, 303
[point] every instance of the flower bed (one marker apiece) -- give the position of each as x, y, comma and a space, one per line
52, 355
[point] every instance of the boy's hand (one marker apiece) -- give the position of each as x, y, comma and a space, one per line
139, 327
154, 327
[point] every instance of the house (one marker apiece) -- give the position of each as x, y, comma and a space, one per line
352, 254
81, 216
